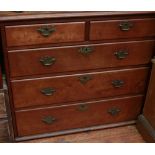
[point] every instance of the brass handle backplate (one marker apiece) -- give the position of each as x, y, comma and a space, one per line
121, 54
82, 107
47, 60
86, 51
84, 79
117, 83
46, 30
125, 26
114, 111
48, 91
49, 120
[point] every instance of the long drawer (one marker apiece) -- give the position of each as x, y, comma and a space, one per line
38, 34
37, 121
116, 29
62, 59
65, 89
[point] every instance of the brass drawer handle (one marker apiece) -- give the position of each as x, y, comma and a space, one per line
82, 107
47, 60
117, 83
121, 54
49, 120
125, 26
48, 91
46, 30
86, 51
114, 111
84, 79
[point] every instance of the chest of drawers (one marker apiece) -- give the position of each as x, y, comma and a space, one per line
75, 71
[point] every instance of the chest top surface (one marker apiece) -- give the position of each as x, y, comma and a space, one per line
29, 15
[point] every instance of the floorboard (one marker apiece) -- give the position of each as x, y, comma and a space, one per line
126, 134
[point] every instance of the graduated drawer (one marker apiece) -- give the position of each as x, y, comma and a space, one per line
114, 29
62, 59
68, 88
37, 34
37, 121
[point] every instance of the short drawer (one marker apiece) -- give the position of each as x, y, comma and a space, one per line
82, 115
38, 34
117, 29
65, 89
76, 58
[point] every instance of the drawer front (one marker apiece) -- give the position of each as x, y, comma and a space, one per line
84, 115
55, 60
56, 90
45, 33
113, 29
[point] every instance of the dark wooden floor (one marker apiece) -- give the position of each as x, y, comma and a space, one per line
127, 134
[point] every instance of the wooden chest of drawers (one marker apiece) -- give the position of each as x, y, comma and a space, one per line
76, 71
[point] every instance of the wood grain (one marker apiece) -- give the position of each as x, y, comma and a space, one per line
101, 30
27, 87
28, 35
30, 122
68, 88
38, 15
70, 59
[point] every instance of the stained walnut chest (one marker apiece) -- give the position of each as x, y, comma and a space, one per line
75, 71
